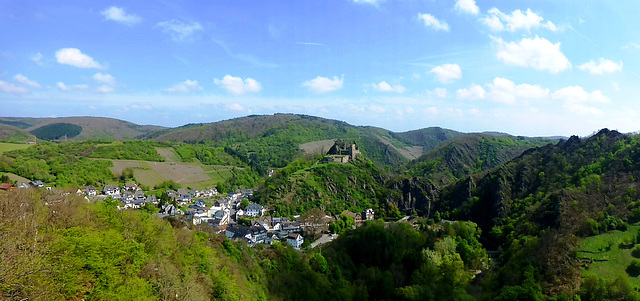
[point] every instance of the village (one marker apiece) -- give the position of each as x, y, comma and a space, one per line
232, 215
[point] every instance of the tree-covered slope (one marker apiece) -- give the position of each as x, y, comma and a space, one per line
274, 140
427, 138
332, 187
467, 154
553, 195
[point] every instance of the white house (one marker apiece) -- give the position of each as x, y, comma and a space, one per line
253, 210
295, 240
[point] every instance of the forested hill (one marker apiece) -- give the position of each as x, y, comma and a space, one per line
555, 194
467, 154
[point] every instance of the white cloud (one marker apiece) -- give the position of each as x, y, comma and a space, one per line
447, 72
467, 6
583, 110
142, 107
37, 58
119, 15
185, 86
235, 107
372, 2
383, 86
431, 111
179, 30
537, 53
25, 81
11, 88
431, 21
473, 93
603, 66
576, 100
506, 91
576, 94
323, 84
440, 92
376, 109
631, 46
499, 21
105, 89
237, 86
73, 57
105, 79
64, 87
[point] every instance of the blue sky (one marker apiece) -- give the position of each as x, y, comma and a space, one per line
522, 67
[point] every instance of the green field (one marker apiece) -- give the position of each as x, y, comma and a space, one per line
192, 175
6, 147
609, 254
218, 173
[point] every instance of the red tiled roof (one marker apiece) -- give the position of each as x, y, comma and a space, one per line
7, 186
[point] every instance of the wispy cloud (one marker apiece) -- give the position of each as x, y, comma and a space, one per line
37, 58
383, 86
11, 88
118, 14
244, 57
64, 87
310, 43
25, 81
431, 21
106, 79
184, 87
178, 30
499, 21
603, 66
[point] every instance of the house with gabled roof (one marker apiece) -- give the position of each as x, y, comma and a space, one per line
138, 195
112, 191
90, 191
253, 210
295, 240
131, 187
7, 186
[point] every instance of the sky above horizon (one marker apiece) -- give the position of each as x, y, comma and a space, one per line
535, 68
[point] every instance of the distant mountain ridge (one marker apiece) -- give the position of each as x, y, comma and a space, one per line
92, 127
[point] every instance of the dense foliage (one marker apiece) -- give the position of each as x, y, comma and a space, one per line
61, 164
57, 131
332, 187
70, 249
129, 150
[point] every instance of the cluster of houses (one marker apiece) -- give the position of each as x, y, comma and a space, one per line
132, 196
266, 230
11, 186
222, 216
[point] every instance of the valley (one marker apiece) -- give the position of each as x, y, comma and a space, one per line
554, 214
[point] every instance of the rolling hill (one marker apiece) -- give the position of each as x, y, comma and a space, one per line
91, 127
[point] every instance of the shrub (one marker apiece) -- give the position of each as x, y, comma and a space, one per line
636, 251
634, 268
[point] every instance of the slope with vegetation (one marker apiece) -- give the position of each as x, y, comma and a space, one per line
91, 127
539, 206
71, 250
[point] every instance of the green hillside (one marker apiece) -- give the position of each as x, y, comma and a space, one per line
467, 154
